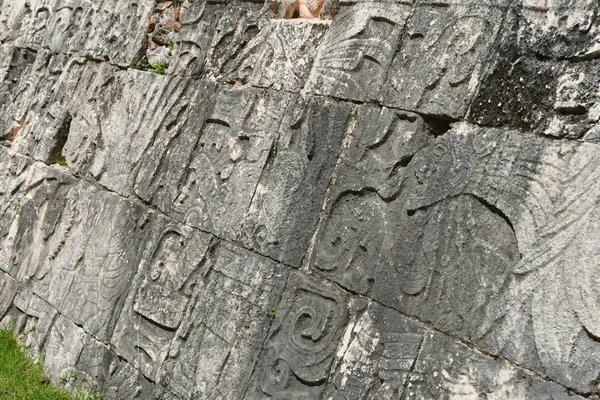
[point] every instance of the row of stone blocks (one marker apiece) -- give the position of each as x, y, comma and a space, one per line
291, 213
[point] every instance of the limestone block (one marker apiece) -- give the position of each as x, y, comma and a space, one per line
8, 289
376, 355
213, 34
75, 246
385, 355
88, 272
442, 56
560, 28
74, 357
577, 102
372, 167
282, 216
37, 121
225, 332
302, 342
106, 30
32, 203
116, 118
507, 216
537, 186
212, 343
447, 369
353, 59
279, 57
15, 90
228, 159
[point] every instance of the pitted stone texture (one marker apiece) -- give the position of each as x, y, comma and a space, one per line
36, 120
113, 125
446, 369
211, 351
499, 211
533, 93
228, 159
302, 341
106, 30
236, 43
376, 355
213, 34
560, 28
279, 57
224, 146
577, 103
75, 246
75, 357
443, 55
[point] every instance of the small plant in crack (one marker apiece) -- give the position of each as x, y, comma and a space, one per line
160, 68
171, 48
143, 65
273, 311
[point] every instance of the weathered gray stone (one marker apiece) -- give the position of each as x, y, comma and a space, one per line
484, 215
301, 345
211, 348
103, 30
279, 57
442, 56
213, 33
383, 199
560, 28
293, 183
8, 289
356, 52
385, 355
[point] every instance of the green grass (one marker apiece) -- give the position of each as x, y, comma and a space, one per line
21, 378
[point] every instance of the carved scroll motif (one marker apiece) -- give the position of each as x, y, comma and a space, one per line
302, 344
350, 244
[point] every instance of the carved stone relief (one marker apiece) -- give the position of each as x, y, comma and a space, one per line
442, 56
302, 341
357, 50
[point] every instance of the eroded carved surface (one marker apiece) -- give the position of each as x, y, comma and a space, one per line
395, 200
302, 341
442, 56
103, 30
561, 28
357, 50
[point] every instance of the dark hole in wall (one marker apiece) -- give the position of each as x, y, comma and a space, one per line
62, 135
436, 125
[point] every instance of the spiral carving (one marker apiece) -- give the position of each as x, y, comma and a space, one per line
303, 341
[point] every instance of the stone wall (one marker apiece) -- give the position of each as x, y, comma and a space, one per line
398, 203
